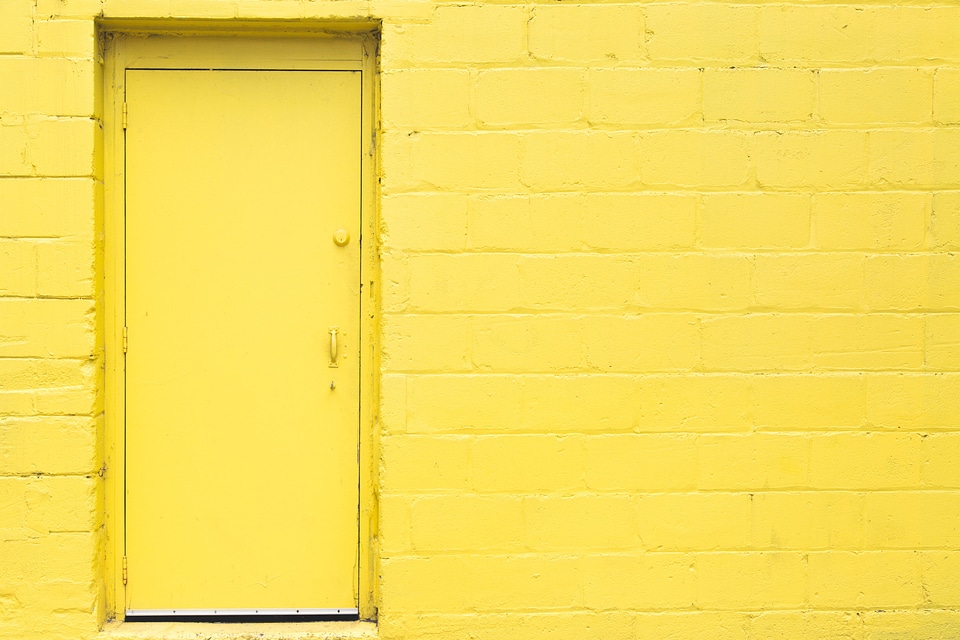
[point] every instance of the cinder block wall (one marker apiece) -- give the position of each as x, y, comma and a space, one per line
50, 352
670, 333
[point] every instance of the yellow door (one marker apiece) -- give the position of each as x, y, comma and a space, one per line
242, 259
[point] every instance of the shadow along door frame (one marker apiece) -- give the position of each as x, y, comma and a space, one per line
251, 46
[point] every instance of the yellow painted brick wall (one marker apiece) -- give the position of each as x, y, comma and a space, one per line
670, 317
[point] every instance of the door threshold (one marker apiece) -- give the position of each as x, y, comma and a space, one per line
328, 630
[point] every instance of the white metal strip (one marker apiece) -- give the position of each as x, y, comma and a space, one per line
242, 612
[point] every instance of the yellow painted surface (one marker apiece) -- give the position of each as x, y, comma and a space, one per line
241, 440
361, 630
663, 318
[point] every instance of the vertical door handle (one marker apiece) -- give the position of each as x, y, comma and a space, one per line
334, 347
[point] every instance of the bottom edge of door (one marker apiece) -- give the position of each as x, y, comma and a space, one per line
153, 613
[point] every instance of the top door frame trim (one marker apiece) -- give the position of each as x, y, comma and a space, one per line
260, 50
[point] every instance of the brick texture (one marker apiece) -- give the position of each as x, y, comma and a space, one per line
670, 316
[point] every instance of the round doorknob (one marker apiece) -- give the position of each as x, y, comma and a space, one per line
341, 237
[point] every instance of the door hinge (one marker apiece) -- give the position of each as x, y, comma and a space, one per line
123, 116
124, 570
124, 339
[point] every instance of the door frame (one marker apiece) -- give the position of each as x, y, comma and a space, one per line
265, 47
